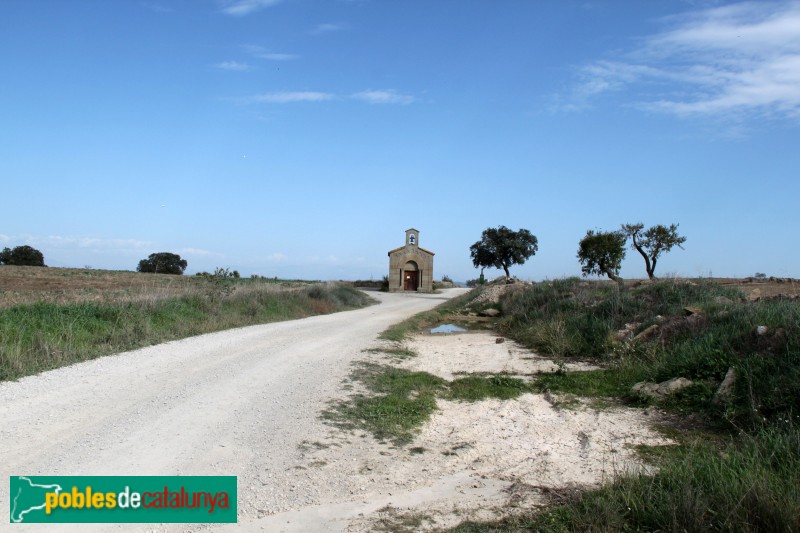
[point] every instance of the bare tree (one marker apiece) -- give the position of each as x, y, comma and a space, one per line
653, 242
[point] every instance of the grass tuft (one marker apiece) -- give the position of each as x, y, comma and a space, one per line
475, 388
398, 403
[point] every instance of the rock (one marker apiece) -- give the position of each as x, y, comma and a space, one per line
674, 385
692, 310
647, 334
724, 393
626, 332
660, 390
499, 340
694, 320
490, 313
646, 388
659, 319
762, 330
722, 300
623, 335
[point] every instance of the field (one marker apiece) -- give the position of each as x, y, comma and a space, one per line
763, 288
28, 285
52, 317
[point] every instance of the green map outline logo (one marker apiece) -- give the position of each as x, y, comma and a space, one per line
15, 497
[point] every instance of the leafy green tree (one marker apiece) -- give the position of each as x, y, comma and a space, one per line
502, 247
22, 256
163, 263
653, 242
601, 253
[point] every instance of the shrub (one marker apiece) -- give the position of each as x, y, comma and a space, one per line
163, 263
22, 256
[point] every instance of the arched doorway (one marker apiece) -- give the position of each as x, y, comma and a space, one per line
410, 276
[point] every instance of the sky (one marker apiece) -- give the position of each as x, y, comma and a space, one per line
301, 138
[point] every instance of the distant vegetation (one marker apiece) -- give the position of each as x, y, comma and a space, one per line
502, 248
599, 252
22, 256
109, 312
652, 242
163, 263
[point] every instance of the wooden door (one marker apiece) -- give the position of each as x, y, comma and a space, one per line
411, 281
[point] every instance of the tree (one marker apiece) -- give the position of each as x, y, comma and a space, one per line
601, 253
22, 256
653, 242
501, 248
163, 263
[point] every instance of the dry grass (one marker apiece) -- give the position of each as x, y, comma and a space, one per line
54, 317
21, 285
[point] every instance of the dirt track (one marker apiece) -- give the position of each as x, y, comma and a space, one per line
239, 402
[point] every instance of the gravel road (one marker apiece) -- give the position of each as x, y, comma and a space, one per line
240, 402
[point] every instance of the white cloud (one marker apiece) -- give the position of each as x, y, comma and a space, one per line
93, 244
289, 97
272, 56
240, 8
233, 66
262, 53
158, 8
383, 97
199, 251
329, 27
277, 257
730, 61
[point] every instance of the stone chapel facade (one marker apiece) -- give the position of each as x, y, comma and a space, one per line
411, 266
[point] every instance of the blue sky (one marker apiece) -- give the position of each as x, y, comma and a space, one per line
301, 138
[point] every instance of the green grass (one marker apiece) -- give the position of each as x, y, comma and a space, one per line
593, 383
42, 336
399, 351
397, 404
475, 388
569, 317
566, 318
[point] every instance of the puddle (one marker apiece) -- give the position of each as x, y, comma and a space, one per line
448, 328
